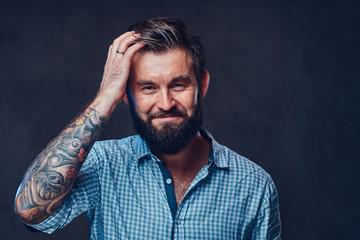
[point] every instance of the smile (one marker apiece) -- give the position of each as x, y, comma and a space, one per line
167, 118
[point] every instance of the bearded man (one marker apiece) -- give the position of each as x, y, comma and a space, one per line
173, 180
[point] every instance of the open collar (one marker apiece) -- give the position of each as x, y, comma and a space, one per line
141, 149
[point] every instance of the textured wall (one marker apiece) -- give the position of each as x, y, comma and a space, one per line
284, 92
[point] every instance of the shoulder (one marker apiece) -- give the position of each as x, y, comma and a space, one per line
248, 178
239, 167
116, 150
132, 144
114, 145
243, 172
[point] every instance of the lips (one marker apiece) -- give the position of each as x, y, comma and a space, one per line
172, 114
168, 117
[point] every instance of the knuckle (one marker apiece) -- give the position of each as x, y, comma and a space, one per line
119, 71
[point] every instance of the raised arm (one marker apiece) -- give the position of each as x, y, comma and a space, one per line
52, 174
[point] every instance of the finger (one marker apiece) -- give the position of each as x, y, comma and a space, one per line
108, 55
131, 51
124, 44
124, 62
117, 42
124, 35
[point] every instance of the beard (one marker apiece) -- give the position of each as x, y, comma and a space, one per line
171, 137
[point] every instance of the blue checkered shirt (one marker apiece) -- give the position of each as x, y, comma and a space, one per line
123, 192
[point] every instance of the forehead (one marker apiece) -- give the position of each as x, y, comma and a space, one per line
161, 66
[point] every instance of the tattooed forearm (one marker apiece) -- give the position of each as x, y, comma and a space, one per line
52, 174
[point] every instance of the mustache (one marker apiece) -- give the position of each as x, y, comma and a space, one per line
174, 112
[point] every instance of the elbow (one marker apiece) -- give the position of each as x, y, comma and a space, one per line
17, 205
28, 214
19, 209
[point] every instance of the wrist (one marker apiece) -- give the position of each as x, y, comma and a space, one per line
105, 105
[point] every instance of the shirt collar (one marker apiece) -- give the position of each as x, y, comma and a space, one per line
215, 151
141, 149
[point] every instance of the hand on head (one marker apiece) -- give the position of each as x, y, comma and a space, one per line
117, 67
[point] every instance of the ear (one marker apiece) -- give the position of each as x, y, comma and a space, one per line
205, 81
126, 100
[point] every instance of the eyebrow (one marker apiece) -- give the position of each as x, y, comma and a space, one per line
143, 82
186, 78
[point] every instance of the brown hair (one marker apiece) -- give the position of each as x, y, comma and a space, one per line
164, 34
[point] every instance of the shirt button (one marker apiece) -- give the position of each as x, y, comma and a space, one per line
168, 181
178, 222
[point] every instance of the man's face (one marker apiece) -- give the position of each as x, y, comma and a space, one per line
164, 100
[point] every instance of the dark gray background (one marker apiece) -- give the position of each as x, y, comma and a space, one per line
284, 92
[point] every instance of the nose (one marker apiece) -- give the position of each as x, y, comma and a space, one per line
165, 100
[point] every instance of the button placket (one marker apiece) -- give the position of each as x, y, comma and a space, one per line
168, 181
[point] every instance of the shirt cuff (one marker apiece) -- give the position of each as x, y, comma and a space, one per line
51, 223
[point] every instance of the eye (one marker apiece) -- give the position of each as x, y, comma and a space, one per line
148, 89
179, 86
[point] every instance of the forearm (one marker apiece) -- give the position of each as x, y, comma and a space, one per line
51, 176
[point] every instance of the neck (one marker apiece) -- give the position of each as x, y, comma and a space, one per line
190, 160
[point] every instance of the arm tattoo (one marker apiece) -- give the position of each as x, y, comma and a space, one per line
53, 172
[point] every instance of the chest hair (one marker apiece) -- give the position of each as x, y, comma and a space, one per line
181, 185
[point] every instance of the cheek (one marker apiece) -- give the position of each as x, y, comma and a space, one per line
143, 105
189, 102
